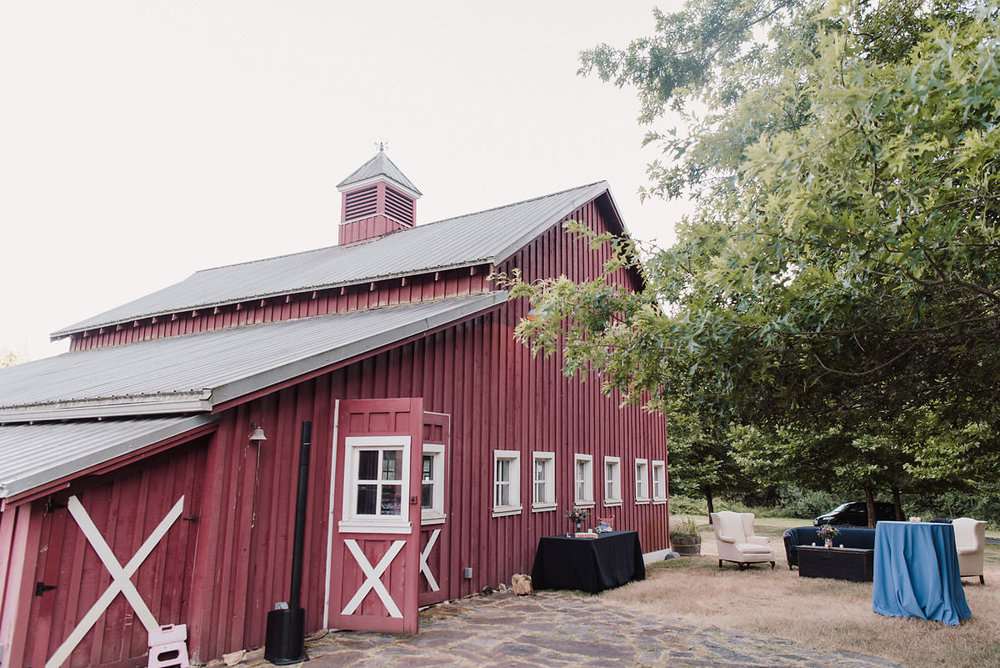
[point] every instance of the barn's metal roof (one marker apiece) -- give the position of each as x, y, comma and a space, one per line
489, 236
196, 372
35, 454
379, 165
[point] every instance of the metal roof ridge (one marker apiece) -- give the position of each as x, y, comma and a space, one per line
507, 206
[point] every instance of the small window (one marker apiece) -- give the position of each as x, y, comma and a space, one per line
612, 481
506, 482
659, 481
543, 476
377, 484
583, 481
432, 484
641, 481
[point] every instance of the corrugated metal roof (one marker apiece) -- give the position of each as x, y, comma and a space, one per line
197, 371
35, 454
489, 236
379, 165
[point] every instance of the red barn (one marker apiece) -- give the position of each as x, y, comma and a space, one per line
133, 494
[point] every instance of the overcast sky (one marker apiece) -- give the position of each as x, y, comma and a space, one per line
142, 141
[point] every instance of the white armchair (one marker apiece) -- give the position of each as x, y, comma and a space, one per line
970, 539
736, 542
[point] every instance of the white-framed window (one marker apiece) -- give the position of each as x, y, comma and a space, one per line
659, 481
641, 481
612, 481
432, 484
506, 482
376, 484
543, 481
583, 481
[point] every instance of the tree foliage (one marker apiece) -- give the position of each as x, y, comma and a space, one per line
839, 283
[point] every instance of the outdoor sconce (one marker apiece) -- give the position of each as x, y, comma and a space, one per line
256, 434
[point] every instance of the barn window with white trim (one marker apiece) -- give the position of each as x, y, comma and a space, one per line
506, 482
379, 482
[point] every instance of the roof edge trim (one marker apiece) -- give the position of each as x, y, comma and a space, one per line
150, 404
415, 194
265, 379
66, 332
81, 463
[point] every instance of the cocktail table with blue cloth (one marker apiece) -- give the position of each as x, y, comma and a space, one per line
588, 564
916, 572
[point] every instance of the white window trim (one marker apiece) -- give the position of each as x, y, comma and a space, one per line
612, 501
644, 463
589, 481
351, 522
659, 495
514, 508
435, 514
548, 504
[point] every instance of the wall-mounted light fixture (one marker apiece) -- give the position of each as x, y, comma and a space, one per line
256, 433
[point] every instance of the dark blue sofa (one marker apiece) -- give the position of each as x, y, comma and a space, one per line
848, 537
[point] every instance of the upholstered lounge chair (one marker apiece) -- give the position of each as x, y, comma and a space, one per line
736, 541
970, 539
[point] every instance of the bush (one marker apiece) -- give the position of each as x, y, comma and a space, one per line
683, 527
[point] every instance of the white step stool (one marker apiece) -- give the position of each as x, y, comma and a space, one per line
168, 647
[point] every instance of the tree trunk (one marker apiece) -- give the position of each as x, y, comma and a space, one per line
897, 504
711, 506
870, 502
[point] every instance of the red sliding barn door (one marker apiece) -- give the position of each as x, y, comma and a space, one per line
375, 545
434, 544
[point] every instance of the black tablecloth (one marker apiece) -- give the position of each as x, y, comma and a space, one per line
588, 564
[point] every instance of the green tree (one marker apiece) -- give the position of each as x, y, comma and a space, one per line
842, 267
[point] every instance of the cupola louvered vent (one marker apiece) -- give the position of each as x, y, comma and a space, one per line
398, 206
361, 203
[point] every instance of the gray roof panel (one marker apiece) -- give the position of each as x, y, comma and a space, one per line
35, 454
380, 165
489, 236
198, 371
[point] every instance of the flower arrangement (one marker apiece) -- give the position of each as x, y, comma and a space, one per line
577, 516
828, 532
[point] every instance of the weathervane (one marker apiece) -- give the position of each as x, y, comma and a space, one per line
382, 145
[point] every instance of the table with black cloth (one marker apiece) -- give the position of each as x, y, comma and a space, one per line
916, 572
588, 564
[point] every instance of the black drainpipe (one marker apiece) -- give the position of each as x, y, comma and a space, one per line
285, 639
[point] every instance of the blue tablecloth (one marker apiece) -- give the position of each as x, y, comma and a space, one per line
916, 572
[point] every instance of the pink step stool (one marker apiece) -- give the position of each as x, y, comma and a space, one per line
168, 647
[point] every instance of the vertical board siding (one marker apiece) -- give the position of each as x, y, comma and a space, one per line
126, 507
497, 396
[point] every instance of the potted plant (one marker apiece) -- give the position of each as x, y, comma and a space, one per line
828, 532
684, 537
577, 516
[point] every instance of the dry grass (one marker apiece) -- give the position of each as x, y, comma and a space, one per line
816, 613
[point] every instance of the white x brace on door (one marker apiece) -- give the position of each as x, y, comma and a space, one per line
121, 577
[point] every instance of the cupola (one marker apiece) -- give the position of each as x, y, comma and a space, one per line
378, 200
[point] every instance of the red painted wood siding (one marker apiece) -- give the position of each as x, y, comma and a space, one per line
125, 506
456, 282
498, 397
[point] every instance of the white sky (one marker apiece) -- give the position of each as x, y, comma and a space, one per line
141, 141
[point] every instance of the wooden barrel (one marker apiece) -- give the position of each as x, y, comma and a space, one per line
686, 545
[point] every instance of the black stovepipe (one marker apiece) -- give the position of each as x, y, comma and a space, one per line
295, 593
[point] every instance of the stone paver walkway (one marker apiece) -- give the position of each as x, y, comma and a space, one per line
561, 629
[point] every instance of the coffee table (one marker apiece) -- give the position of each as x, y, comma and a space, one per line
840, 563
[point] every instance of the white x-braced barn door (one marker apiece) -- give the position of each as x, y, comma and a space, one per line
376, 507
